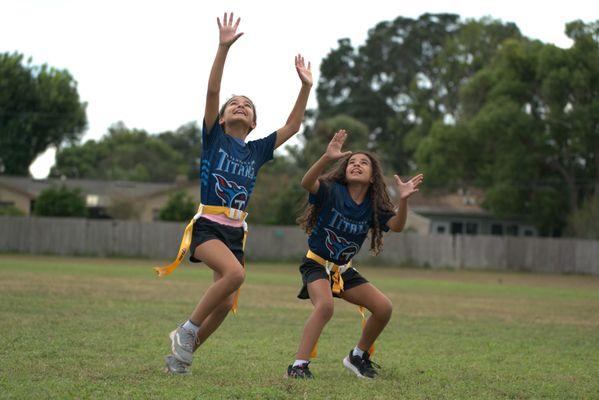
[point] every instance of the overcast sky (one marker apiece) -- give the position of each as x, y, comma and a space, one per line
146, 63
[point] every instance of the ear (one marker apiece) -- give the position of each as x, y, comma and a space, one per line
253, 125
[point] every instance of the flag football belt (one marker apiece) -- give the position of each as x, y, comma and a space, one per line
334, 272
232, 213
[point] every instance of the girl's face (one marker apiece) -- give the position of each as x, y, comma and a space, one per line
359, 169
239, 110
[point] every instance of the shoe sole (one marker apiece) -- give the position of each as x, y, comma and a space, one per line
347, 364
171, 371
175, 354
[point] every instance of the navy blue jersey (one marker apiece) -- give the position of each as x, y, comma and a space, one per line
230, 166
341, 224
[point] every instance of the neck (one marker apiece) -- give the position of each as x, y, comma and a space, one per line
357, 191
237, 130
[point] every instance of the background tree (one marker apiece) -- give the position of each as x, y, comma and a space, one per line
60, 201
133, 154
179, 207
528, 132
406, 76
39, 107
316, 139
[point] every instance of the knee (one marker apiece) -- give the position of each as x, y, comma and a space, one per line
383, 310
325, 310
236, 277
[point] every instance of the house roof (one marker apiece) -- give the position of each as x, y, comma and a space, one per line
464, 202
103, 189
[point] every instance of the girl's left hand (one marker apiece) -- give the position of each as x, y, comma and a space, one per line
406, 189
304, 72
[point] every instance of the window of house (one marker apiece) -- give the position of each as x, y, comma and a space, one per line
441, 229
512, 230
496, 229
457, 228
471, 228
91, 200
528, 232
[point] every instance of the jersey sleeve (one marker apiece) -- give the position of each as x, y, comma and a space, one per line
384, 217
319, 197
209, 137
264, 148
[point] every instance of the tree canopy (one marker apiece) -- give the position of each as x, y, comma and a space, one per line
39, 107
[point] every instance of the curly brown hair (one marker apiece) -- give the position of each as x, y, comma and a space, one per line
378, 196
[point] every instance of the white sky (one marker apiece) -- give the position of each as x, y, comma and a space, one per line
146, 63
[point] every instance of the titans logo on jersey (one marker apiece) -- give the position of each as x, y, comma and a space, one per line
342, 224
230, 166
232, 195
340, 248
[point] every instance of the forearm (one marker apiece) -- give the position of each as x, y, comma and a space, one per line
294, 121
398, 221
299, 108
216, 73
310, 179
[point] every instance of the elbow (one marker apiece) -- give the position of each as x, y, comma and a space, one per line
293, 127
305, 185
397, 228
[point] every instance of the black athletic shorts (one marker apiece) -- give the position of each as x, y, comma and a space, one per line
205, 230
311, 271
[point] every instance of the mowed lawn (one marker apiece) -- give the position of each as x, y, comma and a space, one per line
97, 328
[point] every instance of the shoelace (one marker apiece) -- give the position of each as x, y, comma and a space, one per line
369, 364
189, 336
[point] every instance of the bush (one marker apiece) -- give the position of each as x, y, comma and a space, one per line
179, 207
583, 222
11, 211
60, 202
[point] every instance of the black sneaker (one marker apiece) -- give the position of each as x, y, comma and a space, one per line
361, 366
299, 371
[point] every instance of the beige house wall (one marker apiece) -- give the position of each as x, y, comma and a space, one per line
21, 201
152, 205
417, 224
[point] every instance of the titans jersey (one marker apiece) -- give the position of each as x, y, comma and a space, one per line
341, 224
230, 166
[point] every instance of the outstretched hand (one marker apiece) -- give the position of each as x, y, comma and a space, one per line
406, 189
334, 148
304, 72
227, 31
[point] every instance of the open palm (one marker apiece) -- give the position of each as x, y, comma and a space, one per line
406, 189
334, 148
227, 30
304, 72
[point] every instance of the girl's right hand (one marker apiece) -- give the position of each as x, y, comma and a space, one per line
334, 148
227, 31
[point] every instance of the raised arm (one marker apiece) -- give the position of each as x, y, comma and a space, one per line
227, 36
398, 221
294, 121
310, 180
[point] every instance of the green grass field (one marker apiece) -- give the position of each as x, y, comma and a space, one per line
97, 328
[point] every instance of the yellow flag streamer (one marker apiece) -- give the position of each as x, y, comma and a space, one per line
186, 241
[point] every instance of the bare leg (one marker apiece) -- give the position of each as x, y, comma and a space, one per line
216, 317
222, 261
322, 299
366, 295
